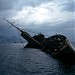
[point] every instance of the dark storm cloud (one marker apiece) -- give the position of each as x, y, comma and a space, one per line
69, 6
7, 4
18, 4
66, 28
33, 2
7, 8
67, 24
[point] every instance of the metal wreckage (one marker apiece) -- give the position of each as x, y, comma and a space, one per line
56, 45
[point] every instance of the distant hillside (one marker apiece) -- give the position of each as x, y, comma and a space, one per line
11, 39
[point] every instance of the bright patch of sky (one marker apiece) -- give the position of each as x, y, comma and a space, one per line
51, 12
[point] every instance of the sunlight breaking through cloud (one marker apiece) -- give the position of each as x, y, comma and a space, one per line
45, 13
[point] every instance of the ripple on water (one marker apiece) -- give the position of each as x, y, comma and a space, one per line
15, 60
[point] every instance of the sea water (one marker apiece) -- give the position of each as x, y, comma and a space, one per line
17, 60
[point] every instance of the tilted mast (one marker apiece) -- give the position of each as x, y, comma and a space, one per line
25, 35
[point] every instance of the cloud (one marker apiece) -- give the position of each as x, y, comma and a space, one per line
48, 16
7, 4
43, 14
31, 3
69, 6
18, 4
8, 8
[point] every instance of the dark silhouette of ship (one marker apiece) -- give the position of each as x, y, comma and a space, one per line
56, 45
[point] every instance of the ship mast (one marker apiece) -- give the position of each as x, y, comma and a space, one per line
25, 35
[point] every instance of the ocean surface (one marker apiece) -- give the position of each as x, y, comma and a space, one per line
17, 60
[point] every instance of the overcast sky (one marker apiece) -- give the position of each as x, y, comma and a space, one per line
46, 16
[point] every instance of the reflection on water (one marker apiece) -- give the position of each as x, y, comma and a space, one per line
15, 60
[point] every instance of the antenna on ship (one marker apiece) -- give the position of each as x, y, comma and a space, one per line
25, 35
13, 25
16, 28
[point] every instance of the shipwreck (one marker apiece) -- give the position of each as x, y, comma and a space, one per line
55, 45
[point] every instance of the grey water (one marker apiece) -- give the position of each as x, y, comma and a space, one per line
17, 60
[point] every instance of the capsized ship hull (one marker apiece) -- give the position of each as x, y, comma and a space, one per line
68, 52
60, 46
56, 45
